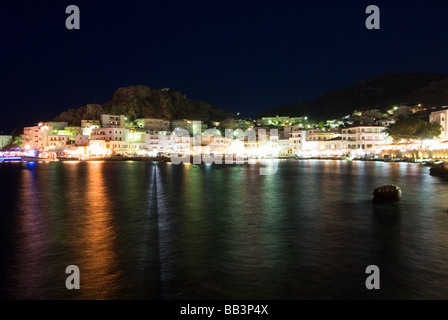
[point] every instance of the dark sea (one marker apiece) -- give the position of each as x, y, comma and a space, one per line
143, 230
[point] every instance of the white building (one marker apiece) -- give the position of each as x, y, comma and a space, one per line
333, 144
112, 121
182, 141
363, 137
81, 140
88, 125
158, 142
441, 117
284, 148
56, 140
154, 124
135, 135
166, 143
119, 147
36, 137
297, 140
285, 132
319, 135
151, 141
110, 134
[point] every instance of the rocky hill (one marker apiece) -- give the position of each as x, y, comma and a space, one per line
384, 91
142, 102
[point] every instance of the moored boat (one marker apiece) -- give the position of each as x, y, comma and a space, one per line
7, 159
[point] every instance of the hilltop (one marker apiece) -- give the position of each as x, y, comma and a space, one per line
380, 92
142, 102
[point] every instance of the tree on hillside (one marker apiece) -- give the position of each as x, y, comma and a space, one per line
429, 130
413, 129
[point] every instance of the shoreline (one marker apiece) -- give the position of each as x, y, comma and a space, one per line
424, 162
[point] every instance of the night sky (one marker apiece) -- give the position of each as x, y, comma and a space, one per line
242, 56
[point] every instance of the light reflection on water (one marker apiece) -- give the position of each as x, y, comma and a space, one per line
139, 230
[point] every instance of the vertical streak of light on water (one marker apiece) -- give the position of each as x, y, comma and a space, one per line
153, 229
157, 218
162, 233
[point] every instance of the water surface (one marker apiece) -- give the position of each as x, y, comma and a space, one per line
140, 230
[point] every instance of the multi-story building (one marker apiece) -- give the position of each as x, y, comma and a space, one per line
135, 135
152, 142
56, 140
31, 137
36, 137
333, 144
284, 148
182, 141
319, 135
112, 121
88, 125
82, 140
297, 140
166, 142
119, 147
285, 132
364, 137
441, 117
153, 124
110, 134
161, 142
213, 142
71, 132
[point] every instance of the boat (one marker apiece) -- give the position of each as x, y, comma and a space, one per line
10, 158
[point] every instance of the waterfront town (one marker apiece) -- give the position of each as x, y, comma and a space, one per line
362, 134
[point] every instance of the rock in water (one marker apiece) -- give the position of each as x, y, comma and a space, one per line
440, 169
387, 193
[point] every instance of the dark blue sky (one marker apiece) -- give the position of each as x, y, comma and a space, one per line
242, 56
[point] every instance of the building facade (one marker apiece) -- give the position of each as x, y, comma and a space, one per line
441, 117
110, 134
363, 137
36, 137
154, 124
112, 121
